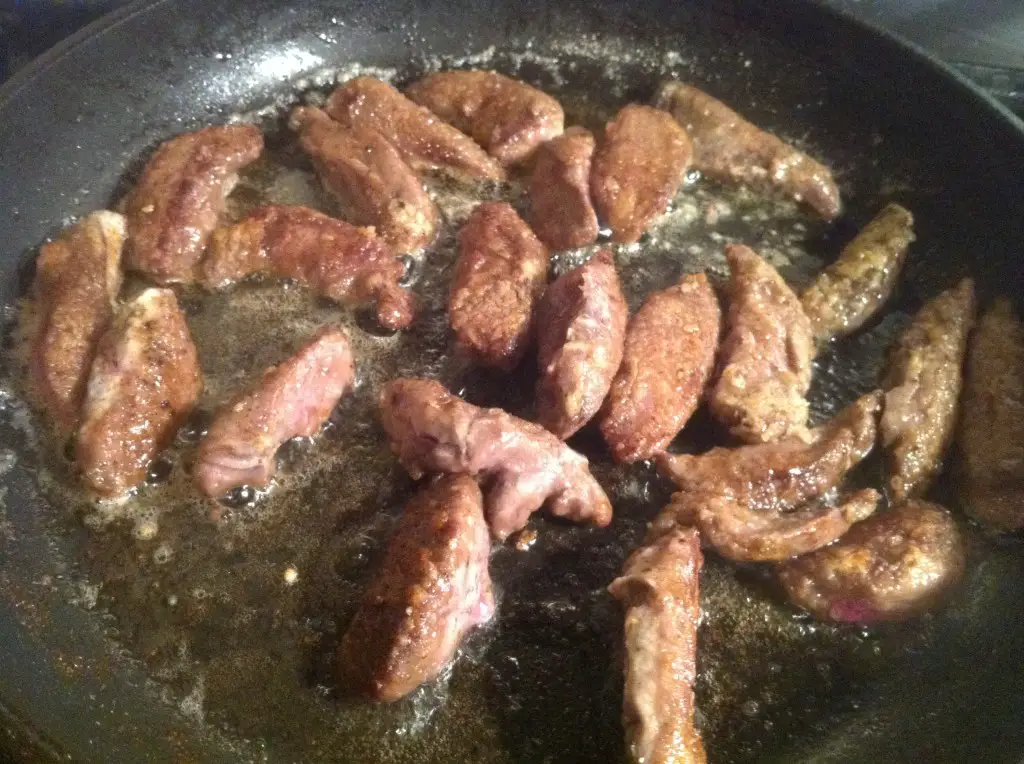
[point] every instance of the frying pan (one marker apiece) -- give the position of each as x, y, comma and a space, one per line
74, 679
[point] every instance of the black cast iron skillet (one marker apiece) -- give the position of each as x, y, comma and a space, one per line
899, 125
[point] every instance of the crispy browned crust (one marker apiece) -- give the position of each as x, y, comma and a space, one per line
561, 212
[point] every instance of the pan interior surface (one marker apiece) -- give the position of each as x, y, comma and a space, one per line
193, 595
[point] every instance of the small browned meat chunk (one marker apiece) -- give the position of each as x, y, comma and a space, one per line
728, 148
329, 256
366, 174
78, 277
637, 169
991, 437
923, 387
888, 567
582, 330
766, 354
178, 200
432, 430
144, 382
292, 400
505, 116
431, 589
560, 208
668, 357
426, 142
499, 279
852, 289
660, 589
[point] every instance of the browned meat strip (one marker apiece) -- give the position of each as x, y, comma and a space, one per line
372, 183
668, 357
852, 289
78, 277
923, 386
177, 202
499, 279
331, 257
144, 382
561, 212
582, 321
637, 169
728, 148
432, 430
505, 116
292, 400
431, 589
888, 567
991, 437
660, 589
766, 354
426, 142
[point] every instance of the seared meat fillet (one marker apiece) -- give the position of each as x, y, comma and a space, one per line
852, 289
329, 256
432, 430
888, 567
431, 589
426, 142
766, 354
991, 436
505, 116
637, 169
499, 279
561, 212
177, 202
668, 357
582, 330
923, 386
728, 148
660, 589
367, 175
292, 400
78, 277
144, 382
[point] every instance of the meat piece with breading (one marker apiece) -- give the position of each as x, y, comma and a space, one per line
180, 197
561, 212
432, 430
430, 590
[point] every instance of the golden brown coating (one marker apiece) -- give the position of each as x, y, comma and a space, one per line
923, 387
499, 279
767, 354
561, 212
639, 164
728, 148
668, 357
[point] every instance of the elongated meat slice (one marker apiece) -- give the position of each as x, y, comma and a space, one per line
561, 212
660, 590
668, 357
991, 437
507, 117
426, 142
78, 277
728, 148
889, 567
367, 175
637, 169
852, 289
431, 589
582, 331
923, 387
329, 256
499, 279
292, 400
431, 430
766, 355
178, 200
144, 382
